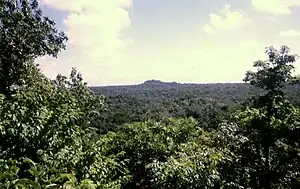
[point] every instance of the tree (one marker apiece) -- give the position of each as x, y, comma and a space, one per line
274, 73
46, 126
46, 138
268, 122
25, 34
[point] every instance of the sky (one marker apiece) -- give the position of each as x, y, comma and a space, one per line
120, 42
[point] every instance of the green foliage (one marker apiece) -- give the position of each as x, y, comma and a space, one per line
174, 153
274, 73
38, 118
192, 166
25, 34
47, 124
210, 104
268, 155
56, 134
46, 127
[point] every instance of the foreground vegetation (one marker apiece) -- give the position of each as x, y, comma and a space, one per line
60, 134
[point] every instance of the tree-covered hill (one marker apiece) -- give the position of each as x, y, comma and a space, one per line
159, 91
155, 99
156, 90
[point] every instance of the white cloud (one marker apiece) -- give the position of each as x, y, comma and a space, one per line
276, 7
289, 33
95, 29
226, 20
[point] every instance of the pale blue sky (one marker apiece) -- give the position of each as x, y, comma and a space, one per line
127, 42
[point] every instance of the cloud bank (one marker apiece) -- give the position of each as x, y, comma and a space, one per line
226, 20
275, 7
96, 36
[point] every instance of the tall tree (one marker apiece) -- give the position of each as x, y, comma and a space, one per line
25, 34
271, 115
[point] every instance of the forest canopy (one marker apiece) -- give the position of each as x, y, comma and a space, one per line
62, 134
